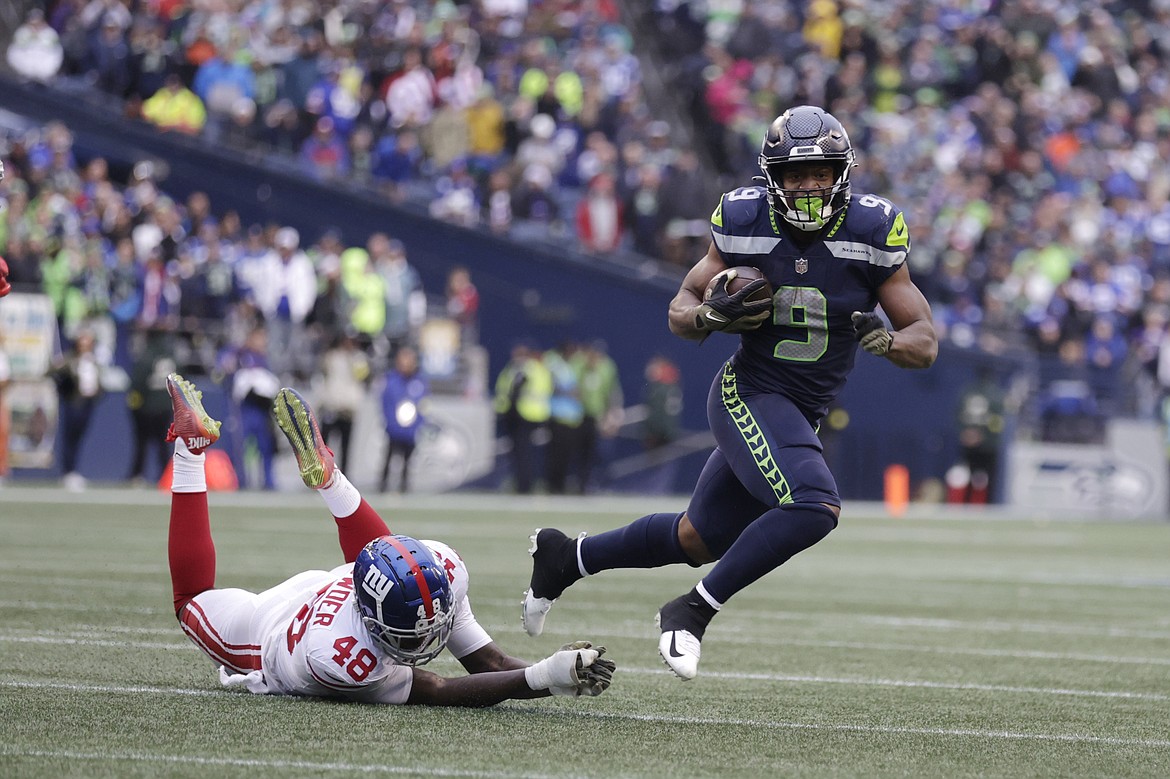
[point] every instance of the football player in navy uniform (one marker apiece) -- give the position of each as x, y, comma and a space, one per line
765, 494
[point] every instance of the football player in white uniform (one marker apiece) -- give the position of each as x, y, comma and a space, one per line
361, 631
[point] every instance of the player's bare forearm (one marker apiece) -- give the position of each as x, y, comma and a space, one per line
490, 658
477, 690
914, 346
682, 316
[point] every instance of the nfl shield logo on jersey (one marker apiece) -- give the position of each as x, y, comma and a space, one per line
801, 265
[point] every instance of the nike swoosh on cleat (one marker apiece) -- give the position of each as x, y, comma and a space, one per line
674, 650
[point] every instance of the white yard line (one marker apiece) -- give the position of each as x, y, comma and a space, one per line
729, 631
1014, 653
36, 605
739, 676
95, 642
85, 636
881, 729
1082, 738
21, 574
798, 679
738, 624
298, 765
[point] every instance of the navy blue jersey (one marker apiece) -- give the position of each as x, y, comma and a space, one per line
807, 349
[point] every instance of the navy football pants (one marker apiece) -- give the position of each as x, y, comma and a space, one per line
767, 456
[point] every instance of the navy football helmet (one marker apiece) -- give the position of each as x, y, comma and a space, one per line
801, 135
404, 598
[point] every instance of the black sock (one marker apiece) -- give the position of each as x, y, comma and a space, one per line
689, 612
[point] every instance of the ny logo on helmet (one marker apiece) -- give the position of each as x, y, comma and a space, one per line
377, 584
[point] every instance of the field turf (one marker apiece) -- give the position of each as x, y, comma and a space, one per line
927, 646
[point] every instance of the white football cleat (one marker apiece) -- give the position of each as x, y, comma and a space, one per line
680, 651
554, 567
533, 611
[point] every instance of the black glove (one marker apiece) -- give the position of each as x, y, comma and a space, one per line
870, 331
733, 313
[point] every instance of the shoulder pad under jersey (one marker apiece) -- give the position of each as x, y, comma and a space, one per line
739, 209
452, 563
873, 227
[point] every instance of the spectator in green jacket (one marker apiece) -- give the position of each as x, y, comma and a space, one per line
601, 397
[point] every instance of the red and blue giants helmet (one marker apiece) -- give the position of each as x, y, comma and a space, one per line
403, 598
801, 135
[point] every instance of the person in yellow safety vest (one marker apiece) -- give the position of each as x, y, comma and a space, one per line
174, 107
366, 292
523, 394
566, 414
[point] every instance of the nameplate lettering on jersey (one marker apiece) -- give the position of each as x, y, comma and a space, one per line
745, 244
854, 250
331, 601
377, 584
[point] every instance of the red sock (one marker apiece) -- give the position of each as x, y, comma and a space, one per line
189, 547
358, 529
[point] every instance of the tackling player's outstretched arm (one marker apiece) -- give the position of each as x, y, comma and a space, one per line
912, 343
477, 690
491, 658
576, 669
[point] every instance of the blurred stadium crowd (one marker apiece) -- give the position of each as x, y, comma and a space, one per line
1024, 140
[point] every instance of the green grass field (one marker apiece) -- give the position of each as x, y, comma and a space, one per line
915, 647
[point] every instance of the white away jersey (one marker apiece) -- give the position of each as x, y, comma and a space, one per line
313, 643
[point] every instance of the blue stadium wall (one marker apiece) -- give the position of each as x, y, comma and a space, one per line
538, 291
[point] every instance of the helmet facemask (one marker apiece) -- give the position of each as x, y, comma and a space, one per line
807, 135
806, 209
417, 646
